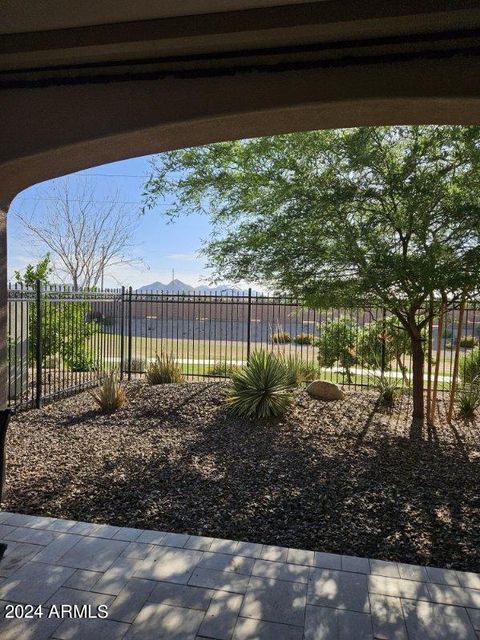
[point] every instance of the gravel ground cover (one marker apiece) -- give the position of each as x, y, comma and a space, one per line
345, 477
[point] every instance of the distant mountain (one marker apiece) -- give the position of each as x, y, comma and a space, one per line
177, 286
174, 286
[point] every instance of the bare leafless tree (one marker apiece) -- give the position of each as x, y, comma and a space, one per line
85, 234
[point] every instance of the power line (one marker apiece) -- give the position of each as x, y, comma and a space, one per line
105, 175
139, 202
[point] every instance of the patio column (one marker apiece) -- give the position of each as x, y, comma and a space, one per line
3, 309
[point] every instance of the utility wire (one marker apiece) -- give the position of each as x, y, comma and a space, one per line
42, 198
106, 175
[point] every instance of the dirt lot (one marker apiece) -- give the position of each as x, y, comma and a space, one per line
342, 477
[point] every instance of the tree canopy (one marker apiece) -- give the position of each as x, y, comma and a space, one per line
384, 216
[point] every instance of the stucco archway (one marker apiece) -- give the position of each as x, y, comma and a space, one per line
90, 87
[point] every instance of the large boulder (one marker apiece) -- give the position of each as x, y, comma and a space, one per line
323, 390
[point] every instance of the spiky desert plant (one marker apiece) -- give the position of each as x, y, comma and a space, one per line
468, 399
223, 369
110, 394
387, 391
263, 389
299, 371
164, 370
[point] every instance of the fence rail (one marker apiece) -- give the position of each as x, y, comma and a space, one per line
59, 339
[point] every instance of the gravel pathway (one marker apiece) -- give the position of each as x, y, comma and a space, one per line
342, 477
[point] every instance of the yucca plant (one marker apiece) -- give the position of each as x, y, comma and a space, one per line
223, 369
468, 399
110, 394
263, 389
164, 370
299, 371
388, 391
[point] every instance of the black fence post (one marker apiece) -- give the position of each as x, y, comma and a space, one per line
122, 332
129, 355
249, 323
4, 420
38, 345
384, 328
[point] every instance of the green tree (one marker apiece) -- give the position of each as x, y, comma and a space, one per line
337, 344
65, 326
383, 217
33, 272
49, 331
384, 343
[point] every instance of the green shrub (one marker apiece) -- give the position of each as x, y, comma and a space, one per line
52, 362
281, 337
110, 394
468, 342
384, 344
263, 389
223, 369
138, 365
303, 338
337, 343
470, 366
468, 399
80, 359
387, 390
299, 371
164, 370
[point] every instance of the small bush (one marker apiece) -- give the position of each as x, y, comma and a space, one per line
53, 362
138, 365
303, 338
387, 390
81, 359
164, 370
299, 371
468, 342
470, 366
468, 399
281, 337
110, 394
263, 389
223, 370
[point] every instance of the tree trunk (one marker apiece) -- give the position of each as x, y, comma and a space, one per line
403, 369
418, 358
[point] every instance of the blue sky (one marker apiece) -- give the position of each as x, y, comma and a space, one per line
163, 246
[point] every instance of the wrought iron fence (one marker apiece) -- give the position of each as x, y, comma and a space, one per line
60, 340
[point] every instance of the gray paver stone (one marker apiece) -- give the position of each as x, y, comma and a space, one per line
275, 601
221, 616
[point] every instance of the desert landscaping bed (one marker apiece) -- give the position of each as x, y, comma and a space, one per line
342, 477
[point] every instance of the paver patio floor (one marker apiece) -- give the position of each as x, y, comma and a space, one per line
168, 585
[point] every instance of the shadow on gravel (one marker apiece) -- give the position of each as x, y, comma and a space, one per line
346, 480
79, 418
171, 412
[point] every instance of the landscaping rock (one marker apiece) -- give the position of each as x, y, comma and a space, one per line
338, 477
323, 390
